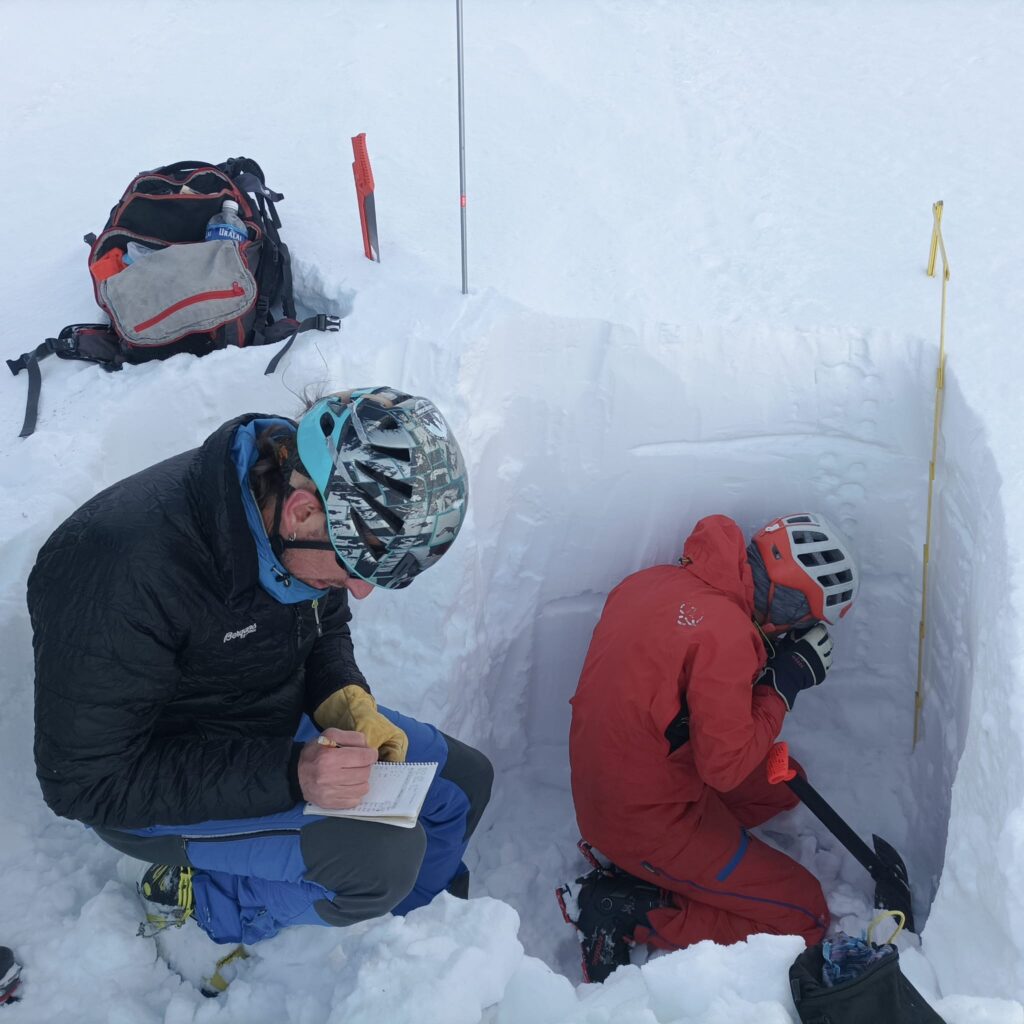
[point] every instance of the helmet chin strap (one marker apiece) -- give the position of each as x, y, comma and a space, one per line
769, 646
312, 545
278, 543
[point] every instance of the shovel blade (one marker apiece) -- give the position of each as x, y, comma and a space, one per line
892, 885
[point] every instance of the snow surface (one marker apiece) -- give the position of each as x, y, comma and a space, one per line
697, 241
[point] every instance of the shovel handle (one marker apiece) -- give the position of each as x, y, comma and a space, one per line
779, 770
891, 883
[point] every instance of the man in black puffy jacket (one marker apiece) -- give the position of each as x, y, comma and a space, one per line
195, 676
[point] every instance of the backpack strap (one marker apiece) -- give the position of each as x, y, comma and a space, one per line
287, 293
291, 328
248, 176
94, 343
248, 182
30, 361
270, 280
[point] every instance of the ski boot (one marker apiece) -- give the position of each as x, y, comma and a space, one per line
605, 906
166, 893
10, 976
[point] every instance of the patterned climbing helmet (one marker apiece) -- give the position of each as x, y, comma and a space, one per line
392, 479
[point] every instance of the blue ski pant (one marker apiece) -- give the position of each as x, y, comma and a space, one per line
254, 876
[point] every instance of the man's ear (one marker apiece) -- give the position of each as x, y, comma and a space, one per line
299, 507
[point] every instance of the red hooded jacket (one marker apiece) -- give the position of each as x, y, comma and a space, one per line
668, 632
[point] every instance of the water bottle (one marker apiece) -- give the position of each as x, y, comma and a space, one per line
134, 251
227, 225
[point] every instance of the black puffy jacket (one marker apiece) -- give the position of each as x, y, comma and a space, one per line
169, 683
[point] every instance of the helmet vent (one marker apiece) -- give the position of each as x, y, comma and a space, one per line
394, 521
834, 579
375, 545
845, 576
809, 537
820, 557
402, 454
793, 520
403, 488
327, 424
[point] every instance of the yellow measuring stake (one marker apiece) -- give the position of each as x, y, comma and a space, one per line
938, 246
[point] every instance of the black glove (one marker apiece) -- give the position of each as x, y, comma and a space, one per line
801, 660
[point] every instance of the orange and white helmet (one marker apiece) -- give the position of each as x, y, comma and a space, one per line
803, 570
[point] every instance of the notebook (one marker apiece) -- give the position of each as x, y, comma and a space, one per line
397, 792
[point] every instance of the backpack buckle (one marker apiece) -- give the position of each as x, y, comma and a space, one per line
328, 322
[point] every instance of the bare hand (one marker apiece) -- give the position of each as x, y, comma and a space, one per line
336, 777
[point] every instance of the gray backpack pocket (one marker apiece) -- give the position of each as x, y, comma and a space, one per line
183, 289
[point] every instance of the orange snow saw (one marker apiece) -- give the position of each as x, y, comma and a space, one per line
883, 863
363, 175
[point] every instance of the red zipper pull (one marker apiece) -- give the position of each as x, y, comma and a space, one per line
235, 291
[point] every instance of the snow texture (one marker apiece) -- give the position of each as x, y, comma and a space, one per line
697, 244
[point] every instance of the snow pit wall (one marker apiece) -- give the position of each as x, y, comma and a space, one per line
973, 719
593, 450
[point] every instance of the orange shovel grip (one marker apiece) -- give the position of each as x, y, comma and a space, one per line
778, 764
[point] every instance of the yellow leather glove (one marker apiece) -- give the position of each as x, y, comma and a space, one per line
353, 708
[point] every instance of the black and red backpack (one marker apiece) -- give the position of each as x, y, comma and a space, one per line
181, 293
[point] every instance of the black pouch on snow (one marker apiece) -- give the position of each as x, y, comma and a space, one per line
879, 995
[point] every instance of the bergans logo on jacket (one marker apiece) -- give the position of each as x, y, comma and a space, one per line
689, 615
238, 634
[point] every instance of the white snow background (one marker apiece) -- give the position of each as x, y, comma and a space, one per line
697, 238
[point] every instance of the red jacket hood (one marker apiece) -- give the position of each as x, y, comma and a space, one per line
717, 552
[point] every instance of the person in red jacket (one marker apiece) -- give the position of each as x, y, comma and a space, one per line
690, 673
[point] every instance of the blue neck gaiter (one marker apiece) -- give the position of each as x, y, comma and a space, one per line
274, 577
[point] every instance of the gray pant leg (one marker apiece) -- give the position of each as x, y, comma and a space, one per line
473, 773
369, 867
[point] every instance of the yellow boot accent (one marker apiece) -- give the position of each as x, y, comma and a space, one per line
157, 922
217, 983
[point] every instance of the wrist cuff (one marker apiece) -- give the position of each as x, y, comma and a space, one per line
293, 773
767, 685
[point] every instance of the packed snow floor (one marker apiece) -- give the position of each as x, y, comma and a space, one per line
697, 243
